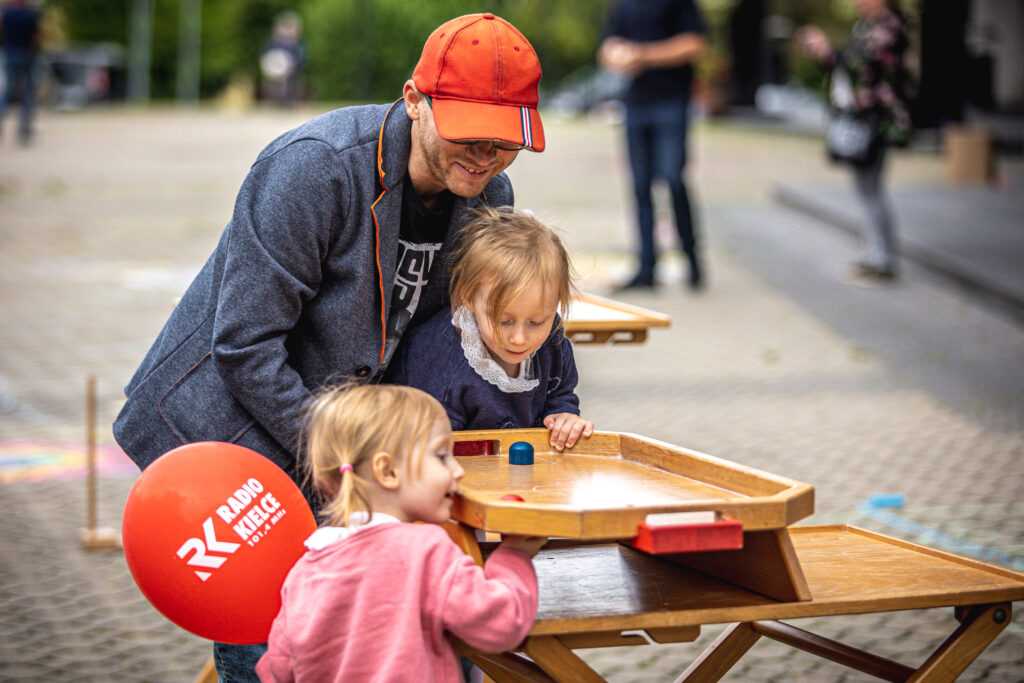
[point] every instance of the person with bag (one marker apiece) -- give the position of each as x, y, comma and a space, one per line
868, 114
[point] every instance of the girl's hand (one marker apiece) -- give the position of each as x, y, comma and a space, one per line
528, 544
566, 429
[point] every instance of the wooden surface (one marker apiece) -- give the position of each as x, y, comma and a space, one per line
596, 320
607, 484
735, 641
602, 595
766, 564
608, 587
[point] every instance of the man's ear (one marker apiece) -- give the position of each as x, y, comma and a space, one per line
385, 470
413, 99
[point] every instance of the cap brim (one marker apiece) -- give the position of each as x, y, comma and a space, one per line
461, 120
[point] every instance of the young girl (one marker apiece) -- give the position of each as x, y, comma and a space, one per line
376, 597
499, 359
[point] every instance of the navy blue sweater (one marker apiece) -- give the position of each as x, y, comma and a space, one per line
431, 358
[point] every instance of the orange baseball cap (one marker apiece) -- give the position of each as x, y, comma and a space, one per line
481, 75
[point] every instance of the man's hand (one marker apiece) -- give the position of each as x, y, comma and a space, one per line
620, 56
633, 58
566, 429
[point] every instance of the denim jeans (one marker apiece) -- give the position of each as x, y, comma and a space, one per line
237, 663
879, 228
656, 135
20, 70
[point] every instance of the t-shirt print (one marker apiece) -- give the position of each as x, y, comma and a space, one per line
411, 276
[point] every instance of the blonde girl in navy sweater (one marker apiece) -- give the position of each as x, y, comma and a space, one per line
499, 359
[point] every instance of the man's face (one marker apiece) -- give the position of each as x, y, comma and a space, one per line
435, 164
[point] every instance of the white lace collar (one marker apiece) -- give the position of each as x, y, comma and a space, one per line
480, 360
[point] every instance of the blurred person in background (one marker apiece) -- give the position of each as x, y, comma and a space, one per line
337, 247
283, 60
872, 61
20, 36
655, 43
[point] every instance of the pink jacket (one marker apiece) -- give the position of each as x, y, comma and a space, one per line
385, 603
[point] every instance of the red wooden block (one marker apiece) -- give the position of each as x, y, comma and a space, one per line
474, 447
726, 534
513, 497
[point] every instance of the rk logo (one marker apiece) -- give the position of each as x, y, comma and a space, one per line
201, 549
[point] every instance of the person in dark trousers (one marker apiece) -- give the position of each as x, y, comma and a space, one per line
337, 245
20, 34
655, 42
873, 62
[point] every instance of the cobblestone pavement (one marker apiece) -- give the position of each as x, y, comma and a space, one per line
779, 364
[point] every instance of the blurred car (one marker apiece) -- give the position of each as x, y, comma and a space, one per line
792, 103
82, 74
587, 91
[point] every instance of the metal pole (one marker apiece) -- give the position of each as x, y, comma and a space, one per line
190, 21
90, 452
140, 48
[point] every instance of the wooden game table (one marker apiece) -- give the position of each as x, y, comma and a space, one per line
595, 320
597, 590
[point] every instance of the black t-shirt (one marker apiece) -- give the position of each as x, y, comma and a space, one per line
19, 28
647, 21
420, 239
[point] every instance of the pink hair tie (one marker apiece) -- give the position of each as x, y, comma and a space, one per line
347, 467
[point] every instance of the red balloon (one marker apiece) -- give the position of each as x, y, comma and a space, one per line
210, 531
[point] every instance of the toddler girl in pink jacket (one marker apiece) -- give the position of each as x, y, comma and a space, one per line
377, 597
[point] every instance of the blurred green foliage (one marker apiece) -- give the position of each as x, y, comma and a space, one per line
233, 32
357, 49
365, 49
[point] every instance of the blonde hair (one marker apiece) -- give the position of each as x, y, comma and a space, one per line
348, 425
509, 250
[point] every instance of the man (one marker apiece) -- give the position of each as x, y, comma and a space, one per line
337, 245
655, 42
20, 36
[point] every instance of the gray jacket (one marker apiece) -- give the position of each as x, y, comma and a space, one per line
296, 293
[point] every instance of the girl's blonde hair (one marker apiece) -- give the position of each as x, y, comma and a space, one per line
509, 250
348, 425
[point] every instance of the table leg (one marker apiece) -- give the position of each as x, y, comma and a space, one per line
850, 657
979, 628
721, 655
558, 661
465, 537
508, 667
980, 625
208, 674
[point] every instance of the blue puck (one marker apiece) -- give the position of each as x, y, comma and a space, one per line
887, 500
520, 453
